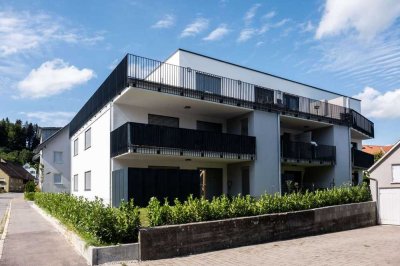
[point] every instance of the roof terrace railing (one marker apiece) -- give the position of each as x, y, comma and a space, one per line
159, 76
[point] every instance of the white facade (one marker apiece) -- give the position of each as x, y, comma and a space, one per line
266, 171
54, 170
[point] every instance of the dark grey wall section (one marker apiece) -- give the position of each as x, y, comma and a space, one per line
179, 240
119, 186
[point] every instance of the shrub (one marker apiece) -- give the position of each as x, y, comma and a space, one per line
30, 186
29, 196
97, 223
197, 210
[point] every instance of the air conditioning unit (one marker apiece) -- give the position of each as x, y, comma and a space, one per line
278, 97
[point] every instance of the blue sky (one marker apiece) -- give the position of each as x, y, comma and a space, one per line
54, 54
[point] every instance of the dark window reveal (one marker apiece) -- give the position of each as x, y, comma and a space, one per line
208, 126
264, 96
208, 83
161, 120
291, 102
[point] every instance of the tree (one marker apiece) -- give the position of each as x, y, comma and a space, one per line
3, 134
378, 156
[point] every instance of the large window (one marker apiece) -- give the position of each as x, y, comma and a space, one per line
57, 179
76, 183
161, 120
396, 173
264, 96
88, 138
88, 180
208, 83
208, 126
76, 147
58, 157
291, 102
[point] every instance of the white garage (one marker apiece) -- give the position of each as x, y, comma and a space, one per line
389, 206
385, 186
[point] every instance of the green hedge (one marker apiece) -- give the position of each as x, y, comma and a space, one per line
197, 210
97, 223
29, 196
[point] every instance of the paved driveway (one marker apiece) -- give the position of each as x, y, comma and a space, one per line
378, 245
5, 199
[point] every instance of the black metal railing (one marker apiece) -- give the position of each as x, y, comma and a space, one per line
308, 152
163, 77
361, 159
154, 139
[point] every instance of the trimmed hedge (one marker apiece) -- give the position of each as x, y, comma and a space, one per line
29, 196
97, 223
197, 210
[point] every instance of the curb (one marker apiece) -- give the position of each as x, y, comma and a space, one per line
92, 254
3, 235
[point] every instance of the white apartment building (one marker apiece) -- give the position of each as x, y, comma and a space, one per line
198, 125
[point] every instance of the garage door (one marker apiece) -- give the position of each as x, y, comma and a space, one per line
389, 206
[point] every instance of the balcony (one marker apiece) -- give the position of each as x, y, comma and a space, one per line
301, 152
161, 140
148, 74
361, 160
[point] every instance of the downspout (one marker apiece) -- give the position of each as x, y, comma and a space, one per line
377, 198
111, 127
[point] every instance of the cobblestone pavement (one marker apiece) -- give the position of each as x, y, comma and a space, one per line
378, 245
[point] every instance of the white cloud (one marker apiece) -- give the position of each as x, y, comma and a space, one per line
25, 32
167, 22
379, 105
217, 34
306, 27
269, 15
194, 28
366, 17
51, 78
248, 17
246, 34
53, 119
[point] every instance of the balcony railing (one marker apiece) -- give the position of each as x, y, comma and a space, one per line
154, 139
302, 151
163, 77
361, 159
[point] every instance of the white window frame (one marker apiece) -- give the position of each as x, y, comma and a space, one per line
76, 184
90, 181
395, 173
54, 157
76, 146
88, 144
54, 177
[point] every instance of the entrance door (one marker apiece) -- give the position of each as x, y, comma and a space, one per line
211, 182
389, 206
245, 181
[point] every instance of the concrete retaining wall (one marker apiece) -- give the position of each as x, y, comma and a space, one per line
178, 240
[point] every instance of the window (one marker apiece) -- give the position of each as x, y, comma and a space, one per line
57, 179
161, 120
58, 157
88, 138
208, 126
396, 173
88, 181
291, 102
263, 96
75, 182
76, 147
208, 83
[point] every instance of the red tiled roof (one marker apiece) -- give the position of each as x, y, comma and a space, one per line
14, 170
375, 149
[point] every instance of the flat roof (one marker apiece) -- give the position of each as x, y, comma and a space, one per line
259, 71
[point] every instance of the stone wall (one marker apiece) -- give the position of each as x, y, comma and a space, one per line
179, 240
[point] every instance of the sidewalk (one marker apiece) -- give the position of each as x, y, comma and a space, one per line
31, 240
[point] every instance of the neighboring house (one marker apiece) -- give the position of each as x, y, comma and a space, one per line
13, 177
46, 132
198, 125
54, 154
30, 169
387, 193
376, 150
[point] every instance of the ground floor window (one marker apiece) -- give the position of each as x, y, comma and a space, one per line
88, 181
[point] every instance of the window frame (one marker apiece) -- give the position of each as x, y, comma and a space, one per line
76, 184
57, 183
90, 137
397, 181
90, 181
54, 157
76, 147
208, 83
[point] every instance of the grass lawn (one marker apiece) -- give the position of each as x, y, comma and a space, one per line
144, 220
